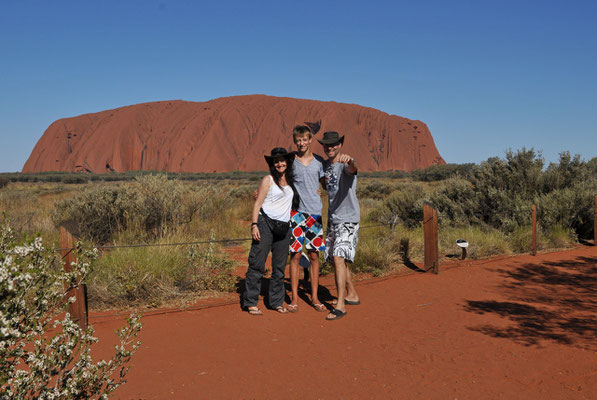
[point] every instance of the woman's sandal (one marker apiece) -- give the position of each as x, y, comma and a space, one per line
281, 309
319, 307
292, 308
254, 311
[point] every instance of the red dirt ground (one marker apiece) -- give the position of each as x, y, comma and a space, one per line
508, 328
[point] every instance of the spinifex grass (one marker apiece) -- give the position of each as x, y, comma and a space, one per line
156, 274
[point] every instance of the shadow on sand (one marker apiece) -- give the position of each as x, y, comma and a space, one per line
553, 301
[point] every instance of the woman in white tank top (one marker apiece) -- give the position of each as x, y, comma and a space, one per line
270, 232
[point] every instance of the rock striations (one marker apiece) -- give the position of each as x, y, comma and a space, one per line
225, 134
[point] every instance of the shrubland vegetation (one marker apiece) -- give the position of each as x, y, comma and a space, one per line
488, 205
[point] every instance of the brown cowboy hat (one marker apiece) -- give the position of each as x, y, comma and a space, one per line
331, 137
279, 152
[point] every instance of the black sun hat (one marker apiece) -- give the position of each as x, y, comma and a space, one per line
331, 137
279, 152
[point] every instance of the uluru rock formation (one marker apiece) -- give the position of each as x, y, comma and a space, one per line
225, 134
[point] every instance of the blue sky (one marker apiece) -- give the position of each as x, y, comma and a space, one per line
485, 76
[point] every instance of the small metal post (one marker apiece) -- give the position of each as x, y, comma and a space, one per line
68, 237
534, 244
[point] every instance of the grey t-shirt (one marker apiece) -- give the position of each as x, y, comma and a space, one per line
342, 193
306, 181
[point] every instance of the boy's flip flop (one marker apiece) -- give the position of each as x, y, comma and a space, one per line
292, 308
336, 313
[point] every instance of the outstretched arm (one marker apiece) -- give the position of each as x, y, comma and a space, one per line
348, 160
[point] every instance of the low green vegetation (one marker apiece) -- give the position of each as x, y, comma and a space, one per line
489, 205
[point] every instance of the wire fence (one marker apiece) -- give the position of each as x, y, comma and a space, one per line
136, 245
68, 250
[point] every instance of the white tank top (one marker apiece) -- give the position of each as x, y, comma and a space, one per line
278, 201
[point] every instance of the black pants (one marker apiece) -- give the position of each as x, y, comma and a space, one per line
257, 257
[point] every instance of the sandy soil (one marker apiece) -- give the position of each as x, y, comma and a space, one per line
508, 328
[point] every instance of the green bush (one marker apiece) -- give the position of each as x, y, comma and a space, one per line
506, 188
99, 211
442, 172
456, 202
374, 190
152, 203
403, 206
566, 173
570, 208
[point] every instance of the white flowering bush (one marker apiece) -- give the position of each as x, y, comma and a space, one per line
43, 352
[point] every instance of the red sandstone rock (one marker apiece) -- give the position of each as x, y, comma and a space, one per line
225, 134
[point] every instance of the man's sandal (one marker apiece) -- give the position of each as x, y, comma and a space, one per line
254, 311
319, 307
347, 302
281, 309
335, 314
292, 308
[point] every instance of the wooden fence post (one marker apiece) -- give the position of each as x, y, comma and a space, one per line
69, 232
534, 243
431, 238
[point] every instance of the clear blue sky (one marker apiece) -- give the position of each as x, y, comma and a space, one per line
484, 75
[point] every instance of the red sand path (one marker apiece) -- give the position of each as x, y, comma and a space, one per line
511, 328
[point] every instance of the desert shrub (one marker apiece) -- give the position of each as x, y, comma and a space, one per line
440, 172
73, 179
158, 203
99, 212
456, 202
3, 181
152, 203
403, 206
43, 354
374, 190
244, 192
370, 210
506, 188
570, 208
566, 173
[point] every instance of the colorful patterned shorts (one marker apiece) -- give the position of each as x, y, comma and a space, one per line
307, 232
341, 241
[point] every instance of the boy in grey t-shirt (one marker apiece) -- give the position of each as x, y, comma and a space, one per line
305, 222
343, 219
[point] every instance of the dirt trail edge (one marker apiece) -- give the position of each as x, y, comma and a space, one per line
512, 328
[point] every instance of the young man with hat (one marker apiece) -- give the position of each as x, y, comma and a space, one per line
343, 219
305, 222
